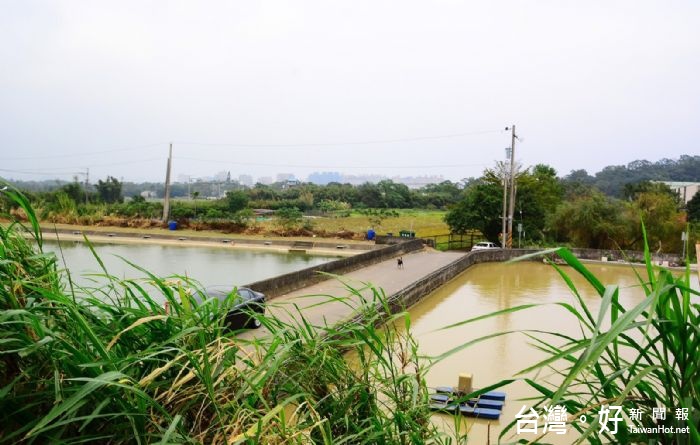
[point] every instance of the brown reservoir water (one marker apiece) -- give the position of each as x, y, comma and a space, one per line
486, 288
208, 265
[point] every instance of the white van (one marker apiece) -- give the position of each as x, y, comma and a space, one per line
485, 245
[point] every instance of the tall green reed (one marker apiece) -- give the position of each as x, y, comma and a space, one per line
643, 356
107, 364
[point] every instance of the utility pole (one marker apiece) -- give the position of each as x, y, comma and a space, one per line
505, 205
511, 207
166, 202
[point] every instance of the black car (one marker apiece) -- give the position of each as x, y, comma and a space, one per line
247, 303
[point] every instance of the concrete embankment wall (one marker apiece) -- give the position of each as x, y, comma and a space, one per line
417, 290
282, 284
632, 256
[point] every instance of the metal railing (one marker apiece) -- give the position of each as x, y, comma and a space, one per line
454, 241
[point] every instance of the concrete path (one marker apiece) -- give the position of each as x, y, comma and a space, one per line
319, 310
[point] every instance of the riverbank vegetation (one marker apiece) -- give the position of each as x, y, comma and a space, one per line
578, 210
571, 212
110, 365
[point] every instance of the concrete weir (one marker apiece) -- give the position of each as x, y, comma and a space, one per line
315, 294
315, 291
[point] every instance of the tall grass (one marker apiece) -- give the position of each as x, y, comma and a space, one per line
646, 357
108, 365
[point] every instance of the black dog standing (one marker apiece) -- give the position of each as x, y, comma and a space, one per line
399, 262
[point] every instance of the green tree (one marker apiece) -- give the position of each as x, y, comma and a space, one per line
370, 195
243, 217
109, 191
594, 221
440, 195
74, 191
480, 209
633, 189
577, 183
663, 221
263, 192
336, 191
236, 200
538, 195
289, 217
693, 208
394, 195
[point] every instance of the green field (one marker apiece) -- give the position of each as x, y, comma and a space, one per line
424, 222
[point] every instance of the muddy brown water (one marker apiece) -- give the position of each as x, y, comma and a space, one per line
486, 288
210, 266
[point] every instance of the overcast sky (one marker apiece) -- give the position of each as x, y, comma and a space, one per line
266, 87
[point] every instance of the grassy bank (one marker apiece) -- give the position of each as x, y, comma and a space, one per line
348, 226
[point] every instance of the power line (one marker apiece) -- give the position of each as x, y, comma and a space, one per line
52, 171
325, 144
28, 172
262, 164
135, 161
75, 155
204, 144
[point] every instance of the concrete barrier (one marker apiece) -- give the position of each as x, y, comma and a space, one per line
630, 256
282, 284
417, 290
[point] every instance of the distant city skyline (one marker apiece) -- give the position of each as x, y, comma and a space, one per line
320, 178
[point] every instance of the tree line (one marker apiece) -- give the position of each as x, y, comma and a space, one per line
604, 210
572, 210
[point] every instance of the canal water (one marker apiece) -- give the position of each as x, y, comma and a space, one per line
209, 266
486, 288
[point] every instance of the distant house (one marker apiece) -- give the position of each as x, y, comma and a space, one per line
289, 183
685, 190
146, 194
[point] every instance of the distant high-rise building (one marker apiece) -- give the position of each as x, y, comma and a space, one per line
361, 179
416, 182
245, 180
283, 177
323, 178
